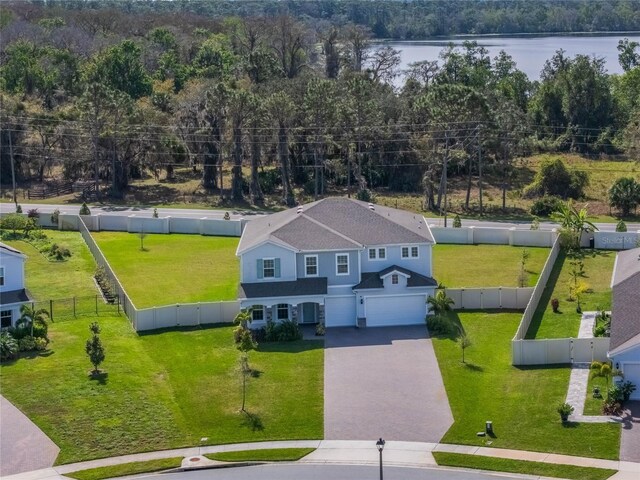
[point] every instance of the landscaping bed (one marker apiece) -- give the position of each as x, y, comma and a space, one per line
266, 455
457, 266
598, 267
172, 268
520, 401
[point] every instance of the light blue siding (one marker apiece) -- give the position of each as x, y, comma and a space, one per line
286, 265
421, 265
327, 267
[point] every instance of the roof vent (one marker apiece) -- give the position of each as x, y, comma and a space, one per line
299, 210
372, 207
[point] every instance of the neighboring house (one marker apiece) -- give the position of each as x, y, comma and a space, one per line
338, 261
624, 350
12, 292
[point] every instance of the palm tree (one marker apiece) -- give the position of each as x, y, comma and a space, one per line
573, 223
29, 317
440, 303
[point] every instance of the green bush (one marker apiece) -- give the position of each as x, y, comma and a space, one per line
364, 195
40, 330
439, 325
457, 223
9, 347
84, 210
41, 344
545, 206
13, 222
621, 226
269, 180
55, 216
555, 179
27, 344
285, 331
627, 388
59, 252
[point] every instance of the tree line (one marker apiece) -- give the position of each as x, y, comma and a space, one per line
110, 98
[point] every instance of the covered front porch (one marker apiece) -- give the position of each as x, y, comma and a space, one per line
306, 311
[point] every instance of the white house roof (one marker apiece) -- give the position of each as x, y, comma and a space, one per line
626, 266
625, 311
336, 223
7, 250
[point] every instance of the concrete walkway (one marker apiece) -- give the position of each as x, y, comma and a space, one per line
415, 454
383, 382
23, 446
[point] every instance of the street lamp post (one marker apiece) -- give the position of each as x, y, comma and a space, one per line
380, 444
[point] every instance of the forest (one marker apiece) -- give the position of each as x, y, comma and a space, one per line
298, 98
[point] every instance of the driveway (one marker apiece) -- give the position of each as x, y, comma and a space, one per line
630, 440
383, 382
23, 446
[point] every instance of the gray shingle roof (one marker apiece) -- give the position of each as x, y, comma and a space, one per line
15, 296
625, 312
336, 223
302, 286
374, 280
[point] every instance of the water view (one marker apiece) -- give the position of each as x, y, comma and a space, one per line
529, 52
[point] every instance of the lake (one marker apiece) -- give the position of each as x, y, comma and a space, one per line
529, 52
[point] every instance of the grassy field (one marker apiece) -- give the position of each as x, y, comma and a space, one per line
267, 455
125, 469
184, 190
593, 405
468, 265
521, 401
521, 467
173, 268
51, 280
598, 267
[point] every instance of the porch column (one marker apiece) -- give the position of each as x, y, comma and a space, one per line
294, 313
321, 313
268, 313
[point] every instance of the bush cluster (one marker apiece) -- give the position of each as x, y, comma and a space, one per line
285, 331
555, 179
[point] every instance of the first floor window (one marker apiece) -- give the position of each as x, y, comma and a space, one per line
283, 311
342, 264
269, 268
257, 313
394, 279
5, 318
311, 266
1, 276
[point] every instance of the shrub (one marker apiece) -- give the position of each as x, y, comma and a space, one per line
269, 180
18, 208
627, 388
84, 210
439, 325
13, 222
33, 214
59, 252
320, 330
611, 407
616, 394
624, 195
27, 344
364, 195
55, 216
535, 223
155, 213
555, 305
457, 223
545, 206
554, 178
285, 331
9, 347
41, 330
621, 226
564, 409
41, 344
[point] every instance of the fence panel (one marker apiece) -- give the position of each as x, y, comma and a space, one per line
559, 350
67, 308
489, 298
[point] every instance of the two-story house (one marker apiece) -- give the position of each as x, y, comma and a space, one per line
339, 261
12, 292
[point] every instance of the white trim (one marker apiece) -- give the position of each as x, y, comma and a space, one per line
377, 257
277, 305
338, 274
346, 285
630, 344
281, 244
613, 274
306, 273
394, 271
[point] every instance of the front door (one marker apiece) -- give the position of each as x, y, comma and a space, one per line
308, 313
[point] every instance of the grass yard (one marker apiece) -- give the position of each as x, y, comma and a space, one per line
593, 405
173, 268
598, 268
521, 467
521, 401
485, 265
52, 280
267, 455
125, 469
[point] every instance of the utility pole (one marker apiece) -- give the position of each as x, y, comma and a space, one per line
480, 172
13, 168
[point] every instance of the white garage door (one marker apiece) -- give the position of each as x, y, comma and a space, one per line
340, 311
632, 374
395, 310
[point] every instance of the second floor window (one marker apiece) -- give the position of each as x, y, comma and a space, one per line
409, 252
377, 253
311, 266
268, 268
342, 264
1, 276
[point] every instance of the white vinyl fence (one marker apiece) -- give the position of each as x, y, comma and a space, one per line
559, 350
489, 298
494, 235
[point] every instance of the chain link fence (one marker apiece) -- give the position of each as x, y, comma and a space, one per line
74, 307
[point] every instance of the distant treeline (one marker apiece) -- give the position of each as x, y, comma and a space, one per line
409, 19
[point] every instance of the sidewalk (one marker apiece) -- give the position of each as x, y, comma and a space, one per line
413, 454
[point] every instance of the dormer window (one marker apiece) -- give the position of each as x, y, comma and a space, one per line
394, 279
1, 276
377, 253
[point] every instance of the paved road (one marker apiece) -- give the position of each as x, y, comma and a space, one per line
210, 213
23, 446
334, 472
383, 382
630, 440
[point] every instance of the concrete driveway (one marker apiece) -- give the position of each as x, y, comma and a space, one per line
23, 446
630, 440
383, 382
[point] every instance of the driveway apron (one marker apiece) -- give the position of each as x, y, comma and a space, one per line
23, 446
630, 440
383, 382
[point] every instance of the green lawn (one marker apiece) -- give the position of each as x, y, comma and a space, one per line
133, 468
52, 280
485, 265
173, 268
267, 455
598, 267
521, 401
521, 467
592, 405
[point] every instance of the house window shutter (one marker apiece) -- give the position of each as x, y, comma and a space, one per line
260, 268
277, 267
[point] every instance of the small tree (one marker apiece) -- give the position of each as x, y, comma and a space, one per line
465, 342
624, 195
18, 208
535, 223
457, 222
155, 213
522, 278
244, 342
621, 226
30, 318
142, 236
440, 304
55, 216
94, 348
84, 210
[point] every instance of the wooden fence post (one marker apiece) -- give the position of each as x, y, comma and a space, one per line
51, 309
74, 306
